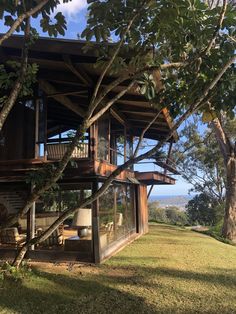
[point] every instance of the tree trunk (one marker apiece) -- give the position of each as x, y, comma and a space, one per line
20, 256
228, 150
229, 227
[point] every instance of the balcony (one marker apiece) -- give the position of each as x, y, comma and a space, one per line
55, 151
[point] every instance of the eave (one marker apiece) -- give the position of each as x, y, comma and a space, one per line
66, 73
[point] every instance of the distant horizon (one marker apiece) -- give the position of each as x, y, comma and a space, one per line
170, 195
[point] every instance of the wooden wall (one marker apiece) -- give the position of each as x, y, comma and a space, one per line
18, 135
142, 209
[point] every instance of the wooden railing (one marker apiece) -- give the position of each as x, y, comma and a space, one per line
56, 151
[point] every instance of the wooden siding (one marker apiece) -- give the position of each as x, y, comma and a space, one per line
104, 169
18, 134
142, 209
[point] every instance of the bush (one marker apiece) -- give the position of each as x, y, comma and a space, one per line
175, 216
156, 213
9, 272
171, 215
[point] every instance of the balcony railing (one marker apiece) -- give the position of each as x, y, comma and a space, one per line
56, 151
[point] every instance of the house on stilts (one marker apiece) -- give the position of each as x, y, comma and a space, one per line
37, 133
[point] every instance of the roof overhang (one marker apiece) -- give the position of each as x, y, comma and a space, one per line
67, 74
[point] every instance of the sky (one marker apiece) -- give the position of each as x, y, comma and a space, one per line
75, 13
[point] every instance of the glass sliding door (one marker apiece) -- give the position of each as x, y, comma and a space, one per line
117, 214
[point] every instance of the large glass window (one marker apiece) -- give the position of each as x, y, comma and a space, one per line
117, 214
75, 233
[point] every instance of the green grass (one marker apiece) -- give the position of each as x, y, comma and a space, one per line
216, 232
170, 270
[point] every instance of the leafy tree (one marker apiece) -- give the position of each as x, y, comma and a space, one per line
180, 41
199, 160
204, 210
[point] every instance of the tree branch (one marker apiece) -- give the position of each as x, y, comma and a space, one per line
143, 133
133, 76
21, 18
218, 27
222, 139
92, 107
111, 102
15, 91
232, 38
107, 67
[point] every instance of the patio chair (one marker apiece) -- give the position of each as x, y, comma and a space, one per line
11, 236
55, 239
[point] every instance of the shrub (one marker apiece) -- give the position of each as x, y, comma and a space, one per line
171, 215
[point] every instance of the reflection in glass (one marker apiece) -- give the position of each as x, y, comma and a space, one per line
117, 214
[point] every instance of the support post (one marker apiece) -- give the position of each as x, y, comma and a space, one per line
95, 227
36, 154
31, 225
150, 191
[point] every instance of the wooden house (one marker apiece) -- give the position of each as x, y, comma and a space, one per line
36, 134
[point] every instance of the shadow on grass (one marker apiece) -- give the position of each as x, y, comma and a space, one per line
223, 278
215, 235
66, 294
116, 289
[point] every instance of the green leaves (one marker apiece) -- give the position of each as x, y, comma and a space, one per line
8, 20
8, 76
53, 28
40, 176
165, 32
147, 86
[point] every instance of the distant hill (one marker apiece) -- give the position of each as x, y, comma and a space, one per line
171, 200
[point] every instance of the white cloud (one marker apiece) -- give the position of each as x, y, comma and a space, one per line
72, 8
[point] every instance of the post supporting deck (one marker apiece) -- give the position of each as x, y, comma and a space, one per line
31, 224
95, 227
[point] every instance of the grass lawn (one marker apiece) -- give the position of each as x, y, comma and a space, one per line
169, 270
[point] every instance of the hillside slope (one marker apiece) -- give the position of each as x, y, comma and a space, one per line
169, 270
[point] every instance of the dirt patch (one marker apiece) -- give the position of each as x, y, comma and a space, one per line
73, 268
120, 273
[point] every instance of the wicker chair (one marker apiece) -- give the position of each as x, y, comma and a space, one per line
55, 239
11, 236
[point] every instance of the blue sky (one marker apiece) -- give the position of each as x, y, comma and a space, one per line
75, 13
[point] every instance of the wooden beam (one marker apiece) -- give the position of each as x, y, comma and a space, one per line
130, 97
169, 120
60, 77
140, 104
158, 122
64, 100
142, 124
144, 113
82, 75
67, 94
117, 114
